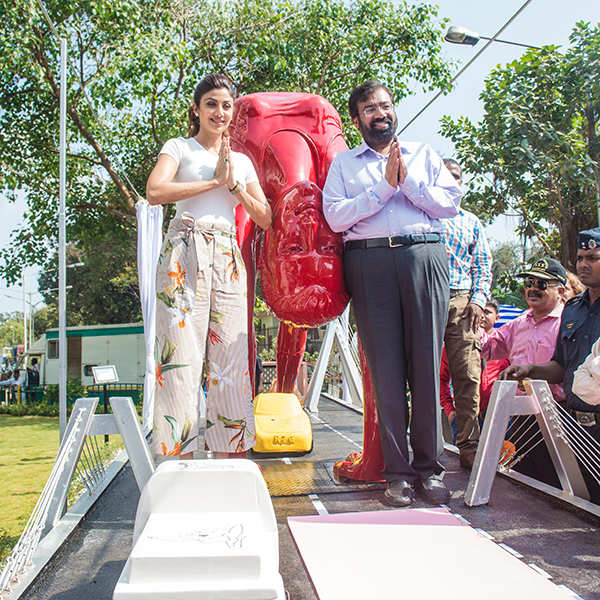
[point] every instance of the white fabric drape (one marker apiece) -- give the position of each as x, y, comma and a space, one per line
149, 242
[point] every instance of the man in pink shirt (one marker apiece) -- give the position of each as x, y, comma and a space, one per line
531, 337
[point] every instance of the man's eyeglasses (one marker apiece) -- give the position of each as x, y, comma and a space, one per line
371, 109
540, 284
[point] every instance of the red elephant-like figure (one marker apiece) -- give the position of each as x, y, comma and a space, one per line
292, 139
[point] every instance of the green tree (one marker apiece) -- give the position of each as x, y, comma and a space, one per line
43, 319
11, 329
133, 65
536, 149
506, 259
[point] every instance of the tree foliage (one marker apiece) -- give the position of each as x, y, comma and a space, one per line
536, 149
133, 65
11, 329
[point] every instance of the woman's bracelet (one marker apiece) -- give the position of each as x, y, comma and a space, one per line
236, 189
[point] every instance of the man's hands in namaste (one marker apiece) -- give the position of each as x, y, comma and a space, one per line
395, 170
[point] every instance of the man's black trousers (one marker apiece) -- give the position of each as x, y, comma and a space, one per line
400, 297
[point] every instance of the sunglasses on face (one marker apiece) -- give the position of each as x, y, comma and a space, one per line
540, 284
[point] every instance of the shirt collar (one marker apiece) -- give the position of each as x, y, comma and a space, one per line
556, 312
364, 148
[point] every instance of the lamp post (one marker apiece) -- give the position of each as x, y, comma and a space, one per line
461, 35
62, 255
489, 41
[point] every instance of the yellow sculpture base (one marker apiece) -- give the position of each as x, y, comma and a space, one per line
282, 426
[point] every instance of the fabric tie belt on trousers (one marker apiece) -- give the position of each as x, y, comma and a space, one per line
394, 241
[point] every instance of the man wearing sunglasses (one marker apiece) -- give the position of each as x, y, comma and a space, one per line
579, 328
531, 338
388, 198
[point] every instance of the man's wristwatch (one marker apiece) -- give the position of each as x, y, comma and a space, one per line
236, 189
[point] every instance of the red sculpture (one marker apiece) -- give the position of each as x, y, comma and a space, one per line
291, 139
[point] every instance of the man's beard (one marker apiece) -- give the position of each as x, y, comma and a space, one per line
376, 137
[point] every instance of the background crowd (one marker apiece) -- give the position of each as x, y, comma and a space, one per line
551, 340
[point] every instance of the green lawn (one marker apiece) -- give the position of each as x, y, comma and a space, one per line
28, 447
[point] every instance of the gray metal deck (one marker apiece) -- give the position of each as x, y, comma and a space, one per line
553, 536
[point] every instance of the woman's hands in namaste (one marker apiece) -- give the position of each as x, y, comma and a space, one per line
224, 169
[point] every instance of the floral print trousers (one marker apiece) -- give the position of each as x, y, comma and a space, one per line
201, 320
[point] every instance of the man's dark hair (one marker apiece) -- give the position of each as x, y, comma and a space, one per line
362, 92
493, 302
451, 161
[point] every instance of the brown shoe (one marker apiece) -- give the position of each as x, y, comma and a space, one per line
467, 458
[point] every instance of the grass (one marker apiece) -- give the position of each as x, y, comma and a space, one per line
28, 448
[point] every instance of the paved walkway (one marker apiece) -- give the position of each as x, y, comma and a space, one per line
552, 536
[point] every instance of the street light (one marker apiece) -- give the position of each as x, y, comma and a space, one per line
461, 35
473, 59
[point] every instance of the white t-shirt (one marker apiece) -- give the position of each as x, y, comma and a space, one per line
196, 163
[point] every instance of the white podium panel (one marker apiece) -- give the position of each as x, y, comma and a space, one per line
204, 529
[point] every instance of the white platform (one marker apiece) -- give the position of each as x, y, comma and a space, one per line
411, 554
204, 530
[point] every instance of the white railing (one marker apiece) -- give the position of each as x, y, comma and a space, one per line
78, 453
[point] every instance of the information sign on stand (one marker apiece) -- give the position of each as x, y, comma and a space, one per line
103, 375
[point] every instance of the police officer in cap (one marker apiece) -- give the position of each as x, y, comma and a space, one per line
579, 326
579, 329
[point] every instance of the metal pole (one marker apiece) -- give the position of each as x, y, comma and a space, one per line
511, 43
62, 254
344, 320
24, 316
31, 340
106, 409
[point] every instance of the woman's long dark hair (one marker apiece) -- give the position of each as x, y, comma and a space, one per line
214, 81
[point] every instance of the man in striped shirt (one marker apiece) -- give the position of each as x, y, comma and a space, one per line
470, 263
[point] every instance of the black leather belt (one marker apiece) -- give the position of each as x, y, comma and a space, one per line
394, 241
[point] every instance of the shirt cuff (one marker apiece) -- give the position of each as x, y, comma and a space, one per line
478, 298
383, 190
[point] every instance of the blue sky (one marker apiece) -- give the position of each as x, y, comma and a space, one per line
542, 22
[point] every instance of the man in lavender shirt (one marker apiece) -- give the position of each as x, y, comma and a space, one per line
388, 198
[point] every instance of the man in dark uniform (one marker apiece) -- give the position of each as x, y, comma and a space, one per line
579, 329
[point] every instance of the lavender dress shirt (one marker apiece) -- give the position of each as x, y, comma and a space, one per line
359, 201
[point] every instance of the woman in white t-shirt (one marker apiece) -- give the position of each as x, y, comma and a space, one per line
201, 310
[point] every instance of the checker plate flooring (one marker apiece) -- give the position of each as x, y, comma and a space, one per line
303, 477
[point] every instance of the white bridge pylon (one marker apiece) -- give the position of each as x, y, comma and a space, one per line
48, 521
506, 403
351, 375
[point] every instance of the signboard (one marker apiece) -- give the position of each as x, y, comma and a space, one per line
105, 374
